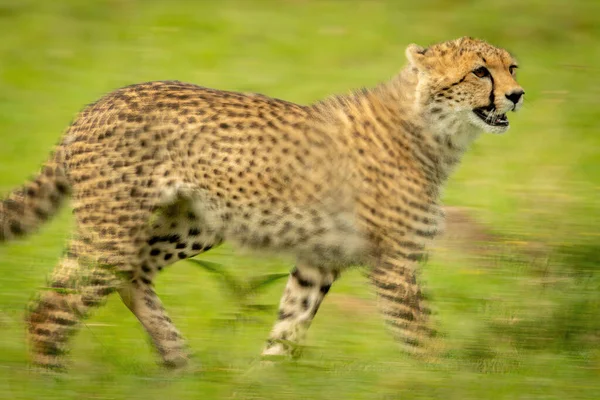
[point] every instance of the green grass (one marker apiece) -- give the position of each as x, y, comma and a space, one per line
515, 326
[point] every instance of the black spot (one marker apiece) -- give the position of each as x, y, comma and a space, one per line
301, 281
266, 241
105, 291
40, 213
89, 301
58, 285
181, 255
16, 228
194, 232
149, 303
283, 315
63, 321
405, 315
173, 336
415, 256
153, 240
305, 303
174, 238
14, 206
146, 281
181, 246
427, 234
336, 251
168, 256
145, 268
62, 187
324, 289
196, 246
72, 254
43, 332
154, 252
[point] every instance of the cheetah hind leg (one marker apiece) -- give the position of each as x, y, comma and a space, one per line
56, 314
176, 233
304, 292
143, 302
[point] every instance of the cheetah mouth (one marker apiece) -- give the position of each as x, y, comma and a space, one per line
490, 116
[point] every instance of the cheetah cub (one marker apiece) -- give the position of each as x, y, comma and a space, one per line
162, 171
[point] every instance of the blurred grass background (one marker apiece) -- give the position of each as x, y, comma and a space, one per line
520, 316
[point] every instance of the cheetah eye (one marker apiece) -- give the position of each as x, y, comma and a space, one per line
512, 69
481, 72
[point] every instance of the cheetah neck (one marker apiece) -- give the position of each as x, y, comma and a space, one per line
447, 138
390, 116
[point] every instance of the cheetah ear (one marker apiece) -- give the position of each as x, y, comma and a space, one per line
416, 56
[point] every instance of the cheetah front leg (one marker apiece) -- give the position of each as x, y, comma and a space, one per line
304, 292
143, 302
401, 301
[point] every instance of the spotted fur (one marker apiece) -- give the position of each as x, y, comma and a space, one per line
162, 171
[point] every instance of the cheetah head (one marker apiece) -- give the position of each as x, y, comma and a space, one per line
466, 82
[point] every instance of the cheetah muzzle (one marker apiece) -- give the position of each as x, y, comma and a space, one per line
490, 116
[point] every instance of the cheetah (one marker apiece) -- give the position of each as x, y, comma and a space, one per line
163, 171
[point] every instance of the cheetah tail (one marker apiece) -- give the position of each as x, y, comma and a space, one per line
27, 207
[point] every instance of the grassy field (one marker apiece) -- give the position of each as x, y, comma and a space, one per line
519, 321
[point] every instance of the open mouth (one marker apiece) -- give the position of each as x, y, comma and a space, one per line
489, 116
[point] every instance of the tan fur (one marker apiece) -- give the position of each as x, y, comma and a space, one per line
163, 171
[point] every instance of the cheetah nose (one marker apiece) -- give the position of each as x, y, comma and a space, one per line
515, 96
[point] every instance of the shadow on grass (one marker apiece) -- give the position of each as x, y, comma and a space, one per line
553, 305
567, 282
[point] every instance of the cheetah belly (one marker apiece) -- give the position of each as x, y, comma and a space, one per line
193, 221
331, 241
314, 235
